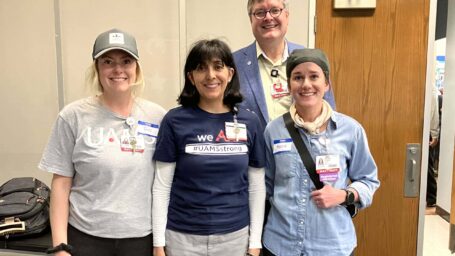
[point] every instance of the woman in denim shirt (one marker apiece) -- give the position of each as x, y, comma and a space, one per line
302, 219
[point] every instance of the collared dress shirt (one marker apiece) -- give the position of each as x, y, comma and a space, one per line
276, 106
296, 226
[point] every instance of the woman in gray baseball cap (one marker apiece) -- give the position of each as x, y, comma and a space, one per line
100, 153
318, 165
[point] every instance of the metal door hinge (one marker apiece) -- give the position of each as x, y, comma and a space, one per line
315, 23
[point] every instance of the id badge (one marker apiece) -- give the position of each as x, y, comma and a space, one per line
132, 144
279, 89
236, 132
328, 164
328, 167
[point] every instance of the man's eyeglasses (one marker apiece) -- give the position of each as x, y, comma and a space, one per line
260, 14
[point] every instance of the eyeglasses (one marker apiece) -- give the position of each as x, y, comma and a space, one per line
260, 14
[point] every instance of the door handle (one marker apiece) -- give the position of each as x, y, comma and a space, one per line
412, 170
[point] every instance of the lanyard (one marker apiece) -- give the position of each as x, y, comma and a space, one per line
235, 111
130, 121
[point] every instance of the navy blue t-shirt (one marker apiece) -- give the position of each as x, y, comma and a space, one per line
209, 192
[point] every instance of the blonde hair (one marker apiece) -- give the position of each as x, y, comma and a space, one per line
92, 80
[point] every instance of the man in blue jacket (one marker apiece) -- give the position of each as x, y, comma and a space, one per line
262, 64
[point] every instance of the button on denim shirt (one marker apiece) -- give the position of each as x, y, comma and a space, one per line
295, 225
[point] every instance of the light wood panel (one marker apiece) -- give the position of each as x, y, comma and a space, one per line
378, 68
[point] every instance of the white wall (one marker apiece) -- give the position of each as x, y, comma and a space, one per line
46, 48
153, 23
29, 102
229, 20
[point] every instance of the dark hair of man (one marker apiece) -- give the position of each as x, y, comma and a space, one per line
202, 52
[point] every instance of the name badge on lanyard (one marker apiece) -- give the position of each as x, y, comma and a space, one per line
236, 131
279, 88
328, 167
134, 144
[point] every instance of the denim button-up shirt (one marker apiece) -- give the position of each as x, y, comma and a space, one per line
295, 225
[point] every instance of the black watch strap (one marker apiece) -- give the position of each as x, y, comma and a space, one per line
61, 247
350, 197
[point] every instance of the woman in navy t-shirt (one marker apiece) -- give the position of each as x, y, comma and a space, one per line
209, 188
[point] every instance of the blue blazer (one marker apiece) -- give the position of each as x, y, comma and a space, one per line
251, 85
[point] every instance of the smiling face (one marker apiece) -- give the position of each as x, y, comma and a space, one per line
210, 79
269, 28
116, 71
308, 85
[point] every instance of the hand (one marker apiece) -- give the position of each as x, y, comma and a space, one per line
158, 251
433, 142
254, 251
328, 196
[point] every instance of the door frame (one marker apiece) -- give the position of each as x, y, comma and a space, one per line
448, 128
426, 123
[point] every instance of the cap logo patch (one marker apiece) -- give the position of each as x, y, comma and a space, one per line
116, 38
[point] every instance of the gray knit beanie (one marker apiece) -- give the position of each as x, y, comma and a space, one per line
299, 56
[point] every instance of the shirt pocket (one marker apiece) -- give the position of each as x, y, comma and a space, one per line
287, 178
286, 165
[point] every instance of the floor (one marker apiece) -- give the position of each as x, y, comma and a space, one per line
436, 234
435, 242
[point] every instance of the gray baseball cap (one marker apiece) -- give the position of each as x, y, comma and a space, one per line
112, 40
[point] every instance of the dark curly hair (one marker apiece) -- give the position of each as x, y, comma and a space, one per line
204, 51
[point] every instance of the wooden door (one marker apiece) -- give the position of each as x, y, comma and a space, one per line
378, 60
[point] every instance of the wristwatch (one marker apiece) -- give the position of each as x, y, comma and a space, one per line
61, 247
350, 197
